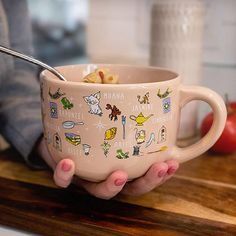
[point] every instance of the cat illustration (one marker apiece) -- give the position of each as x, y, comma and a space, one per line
93, 101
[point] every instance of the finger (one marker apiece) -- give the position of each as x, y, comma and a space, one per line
149, 181
107, 188
173, 166
64, 172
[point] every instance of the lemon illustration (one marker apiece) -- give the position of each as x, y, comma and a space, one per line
110, 133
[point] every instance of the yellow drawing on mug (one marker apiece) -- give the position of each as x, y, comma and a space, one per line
140, 119
140, 136
110, 133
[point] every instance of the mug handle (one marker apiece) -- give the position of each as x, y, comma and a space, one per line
187, 94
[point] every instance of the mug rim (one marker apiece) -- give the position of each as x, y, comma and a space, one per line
54, 79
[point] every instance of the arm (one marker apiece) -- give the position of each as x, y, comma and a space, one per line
20, 115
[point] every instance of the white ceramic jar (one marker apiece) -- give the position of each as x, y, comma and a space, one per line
176, 43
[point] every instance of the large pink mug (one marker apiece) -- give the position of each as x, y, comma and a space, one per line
126, 126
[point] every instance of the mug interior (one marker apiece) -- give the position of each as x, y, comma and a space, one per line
126, 74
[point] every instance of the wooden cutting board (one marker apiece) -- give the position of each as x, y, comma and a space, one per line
199, 200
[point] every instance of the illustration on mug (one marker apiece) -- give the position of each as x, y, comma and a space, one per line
114, 112
48, 137
55, 95
53, 110
93, 101
71, 124
86, 149
150, 140
140, 136
123, 121
120, 154
162, 134
145, 98
106, 147
66, 103
166, 105
57, 142
140, 119
73, 138
136, 150
162, 149
110, 133
163, 95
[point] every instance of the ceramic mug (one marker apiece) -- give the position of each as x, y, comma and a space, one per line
127, 126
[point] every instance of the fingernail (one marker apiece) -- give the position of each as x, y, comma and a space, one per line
65, 166
171, 170
119, 182
161, 173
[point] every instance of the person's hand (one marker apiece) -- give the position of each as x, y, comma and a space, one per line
116, 183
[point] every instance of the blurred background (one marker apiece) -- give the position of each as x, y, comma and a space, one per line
82, 31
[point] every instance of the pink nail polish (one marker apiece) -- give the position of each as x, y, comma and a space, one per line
171, 170
161, 173
65, 166
119, 182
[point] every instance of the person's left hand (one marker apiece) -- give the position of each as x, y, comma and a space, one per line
116, 182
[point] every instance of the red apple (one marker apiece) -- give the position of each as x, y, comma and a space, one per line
226, 144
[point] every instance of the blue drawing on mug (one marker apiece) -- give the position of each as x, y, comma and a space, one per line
53, 110
166, 105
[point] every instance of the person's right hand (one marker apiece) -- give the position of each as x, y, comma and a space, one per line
116, 182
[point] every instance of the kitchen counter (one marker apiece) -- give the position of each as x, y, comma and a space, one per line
198, 200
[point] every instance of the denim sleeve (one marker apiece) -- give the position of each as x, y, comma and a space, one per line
20, 113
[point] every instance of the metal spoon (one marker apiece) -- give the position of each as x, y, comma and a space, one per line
32, 60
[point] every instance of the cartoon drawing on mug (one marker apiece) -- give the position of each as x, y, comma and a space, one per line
166, 105
163, 95
120, 154
140, 136
71, 124
57, 142
86, 149
145, 98
162, 134
162, 149
150, 140
114, 112
53, 110
123, 121
140, 119
100, 126
93, 101
110, 133
66, 103
73, 138
106, 147
49, 138
136, 150
55, 95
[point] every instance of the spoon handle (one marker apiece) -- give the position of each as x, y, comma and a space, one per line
32, 60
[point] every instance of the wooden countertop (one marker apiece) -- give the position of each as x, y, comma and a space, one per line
199, 200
